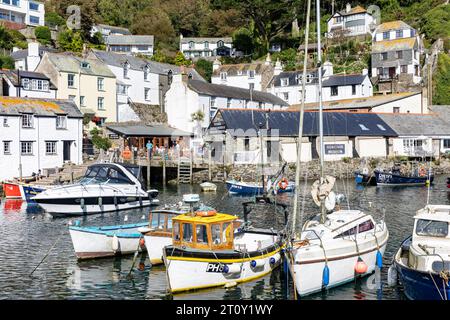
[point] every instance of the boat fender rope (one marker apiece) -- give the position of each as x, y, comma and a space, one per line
436, 286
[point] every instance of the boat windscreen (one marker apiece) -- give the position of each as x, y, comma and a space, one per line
98, 174
431, 228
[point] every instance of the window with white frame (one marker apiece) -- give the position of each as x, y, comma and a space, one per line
122, 89
220, 43
384, 56
146, 72
34, 6
26, 147
285, 96
61, 122
251, 74
71, 80
191, 44
223, 76
403, 69
334, 91
284, 82
206, 45
251, 86
399, 34
27, 121
100, 84
147, 93
212, 102
82, 101
50, 147
6, 147
101, 103
228, 102
446, 143
34, 20
5, 122
26, 83
126, 67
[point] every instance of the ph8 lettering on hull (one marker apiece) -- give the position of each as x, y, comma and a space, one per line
236, 309
215, 267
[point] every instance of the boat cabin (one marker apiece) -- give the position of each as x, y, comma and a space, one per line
160, 222
429, 248
111, 173
204, 230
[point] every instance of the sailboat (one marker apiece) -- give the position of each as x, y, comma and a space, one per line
334, 246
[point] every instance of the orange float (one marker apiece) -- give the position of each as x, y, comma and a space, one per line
283, 184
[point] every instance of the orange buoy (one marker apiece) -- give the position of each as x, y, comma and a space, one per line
283, 184
126, 154
361, 266
206, 213
141, 242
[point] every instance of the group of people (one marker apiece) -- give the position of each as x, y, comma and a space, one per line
161, 150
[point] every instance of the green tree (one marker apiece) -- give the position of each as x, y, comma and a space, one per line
243, 40
70, 41
436, 23
6, 62
180, 60
88, 12
121, 12
43, 35
154, 21
205, 68
441, 81
52, 19
288, 58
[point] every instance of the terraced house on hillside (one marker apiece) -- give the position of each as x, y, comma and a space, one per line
87, 82
22, 12
350, 22
396, 50
206, 47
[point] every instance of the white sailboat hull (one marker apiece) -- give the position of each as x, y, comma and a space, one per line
307, 271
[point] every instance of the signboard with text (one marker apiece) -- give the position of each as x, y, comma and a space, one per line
335, 149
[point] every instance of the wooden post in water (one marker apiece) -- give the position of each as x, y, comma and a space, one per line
192, 163
148, 171
164, 167
20, 172
209, 165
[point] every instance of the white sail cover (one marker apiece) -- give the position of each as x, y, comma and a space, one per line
321, 191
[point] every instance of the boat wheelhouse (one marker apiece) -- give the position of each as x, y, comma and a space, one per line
211, 249
423, 260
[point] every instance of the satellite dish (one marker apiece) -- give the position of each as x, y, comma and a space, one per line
330, 201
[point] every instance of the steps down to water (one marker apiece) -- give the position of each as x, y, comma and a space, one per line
184, 170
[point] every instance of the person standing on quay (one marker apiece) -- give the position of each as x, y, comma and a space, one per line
149, 149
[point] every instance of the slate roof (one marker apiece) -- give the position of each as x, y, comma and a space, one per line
70, 63
394, 45
13, 76
129, 40
136, 63
344, 80
392, 25
431, 125
39, 107
22, 54
241, 123
203, 39
143, 130
217, 90
357, 103
233, 69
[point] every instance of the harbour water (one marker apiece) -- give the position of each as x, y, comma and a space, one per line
27, 234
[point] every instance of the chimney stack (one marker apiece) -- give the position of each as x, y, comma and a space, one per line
348, 7
33, 57
278, 68
216, 64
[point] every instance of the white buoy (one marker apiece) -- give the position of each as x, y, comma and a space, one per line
230, 284
115, 243
125, 218
392, 276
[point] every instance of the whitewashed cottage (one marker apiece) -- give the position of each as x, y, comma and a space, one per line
37, 134
17, 83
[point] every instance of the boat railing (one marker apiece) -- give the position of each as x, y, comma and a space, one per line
432, 255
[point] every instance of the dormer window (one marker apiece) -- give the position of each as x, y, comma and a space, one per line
191, 44
284, 82
251, 74
219, 43
146, 72
85, 65
223, 76
61, 122
26, 83
386, 35
206, 45
126, 67
399, 34
27, 121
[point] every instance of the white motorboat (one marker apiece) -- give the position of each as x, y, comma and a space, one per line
208, 187
207, 252
105, 187
422, 261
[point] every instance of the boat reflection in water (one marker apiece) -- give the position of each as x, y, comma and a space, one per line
20, 206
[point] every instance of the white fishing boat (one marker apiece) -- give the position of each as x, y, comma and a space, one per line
209, 250
105, 187
335, 246
208, 187
422, 261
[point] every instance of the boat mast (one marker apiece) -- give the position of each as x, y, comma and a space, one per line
319, 70
300, 126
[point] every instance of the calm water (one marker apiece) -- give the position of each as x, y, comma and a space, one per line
27, 234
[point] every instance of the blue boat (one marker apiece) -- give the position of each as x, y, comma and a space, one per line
244, 188
421, 263
384, 178
29, 191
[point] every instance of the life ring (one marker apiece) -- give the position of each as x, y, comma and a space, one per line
208, 213
422, 172
126, 154
283, 184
